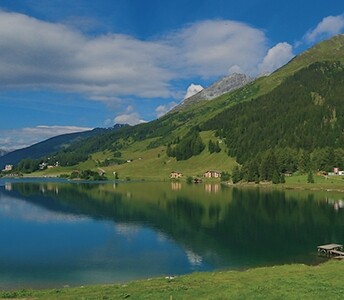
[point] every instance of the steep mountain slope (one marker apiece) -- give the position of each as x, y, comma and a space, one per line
305, 111
224, 85
328, 50
298, 106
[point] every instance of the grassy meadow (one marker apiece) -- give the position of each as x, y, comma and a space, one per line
280, 282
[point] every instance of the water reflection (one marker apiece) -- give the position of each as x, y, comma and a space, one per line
212, 187
335, 203
178, 230
176, 186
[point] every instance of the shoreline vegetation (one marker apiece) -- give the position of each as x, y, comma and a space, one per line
296, 281
294, 182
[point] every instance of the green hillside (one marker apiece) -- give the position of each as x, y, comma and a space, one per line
305, 111
298, 108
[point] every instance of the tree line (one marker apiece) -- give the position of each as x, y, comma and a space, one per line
274, 164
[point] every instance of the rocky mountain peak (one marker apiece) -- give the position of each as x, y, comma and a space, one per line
224, 85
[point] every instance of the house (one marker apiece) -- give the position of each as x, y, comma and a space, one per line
42, 166
176, 175
212, 174
8, 168
336, 171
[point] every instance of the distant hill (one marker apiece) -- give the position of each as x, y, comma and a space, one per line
51, 145
3, 152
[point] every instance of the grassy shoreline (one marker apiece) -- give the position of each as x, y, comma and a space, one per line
295, 281
295, 182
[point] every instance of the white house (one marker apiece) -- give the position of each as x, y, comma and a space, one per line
8, 168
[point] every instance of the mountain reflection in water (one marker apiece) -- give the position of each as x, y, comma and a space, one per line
79, 233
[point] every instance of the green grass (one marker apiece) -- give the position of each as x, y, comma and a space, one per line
153, 164
279, 282
320, 182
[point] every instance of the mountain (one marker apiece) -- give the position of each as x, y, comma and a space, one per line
306, 111
46, 147
3, 152
224, 85
271, 124
54, 144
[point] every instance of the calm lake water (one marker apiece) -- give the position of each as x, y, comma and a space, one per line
56, 234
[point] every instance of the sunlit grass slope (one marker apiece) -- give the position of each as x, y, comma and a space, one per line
154, 164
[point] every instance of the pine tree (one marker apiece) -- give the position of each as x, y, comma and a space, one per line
236, 174
211, 146
276, 177
310, 178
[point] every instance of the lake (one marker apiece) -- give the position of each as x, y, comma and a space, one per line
54, 234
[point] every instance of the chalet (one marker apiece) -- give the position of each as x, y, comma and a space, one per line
8, 168
176, 175
212, 174
336, 171
43, 166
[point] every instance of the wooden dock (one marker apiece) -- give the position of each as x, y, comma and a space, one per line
331, 250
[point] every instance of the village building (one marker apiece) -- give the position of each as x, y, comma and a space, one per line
336, 171
42, 166
8, 168
212, 174
176, 175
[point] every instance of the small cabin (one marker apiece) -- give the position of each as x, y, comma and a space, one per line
176, 175
212, 174
8, 168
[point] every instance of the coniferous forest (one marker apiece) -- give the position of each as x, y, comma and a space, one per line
297, 126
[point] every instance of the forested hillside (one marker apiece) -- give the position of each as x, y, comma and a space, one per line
306, 111
292, 120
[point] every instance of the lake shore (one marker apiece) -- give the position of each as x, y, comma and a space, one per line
295, 281
295, 182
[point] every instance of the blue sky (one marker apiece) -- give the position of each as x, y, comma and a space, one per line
72, 65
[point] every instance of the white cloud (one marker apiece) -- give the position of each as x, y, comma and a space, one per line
19, 209
211, 48
192, 90
36, 54
24, 137
328, 27
276, 57
128, 118
163, 109
235, 69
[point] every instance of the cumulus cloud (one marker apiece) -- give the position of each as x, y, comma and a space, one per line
36, 54
212, 47
24, 137
19, 209
276, 57
130, 116
192, 90
328, 27
163, 109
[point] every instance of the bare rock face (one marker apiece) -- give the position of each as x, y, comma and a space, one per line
225, 85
